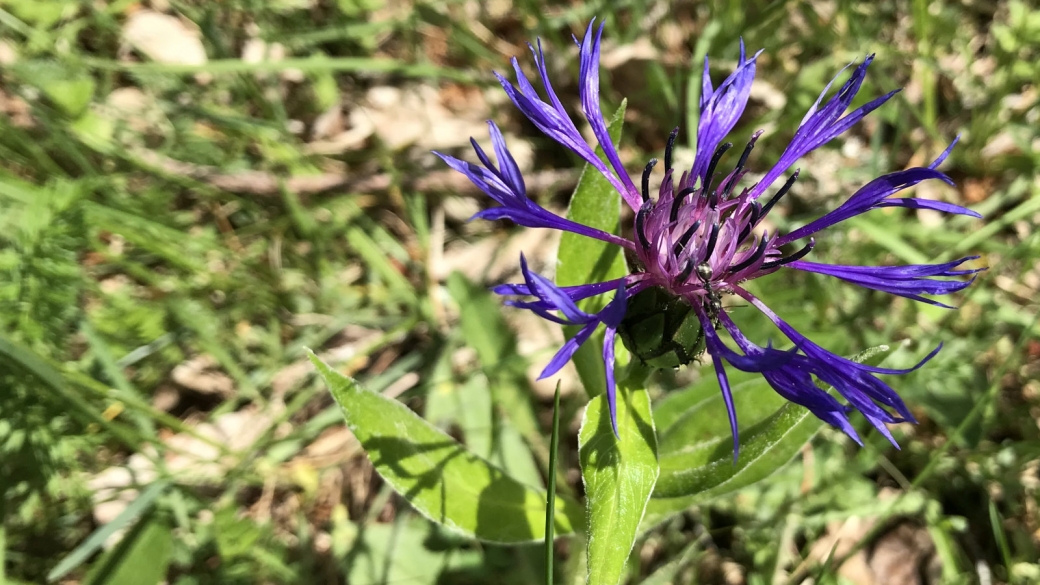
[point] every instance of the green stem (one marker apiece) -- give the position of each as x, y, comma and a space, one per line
636, 375
3, 548
550, 495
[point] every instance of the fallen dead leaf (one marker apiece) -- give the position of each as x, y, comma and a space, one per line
17, 110
164, 38
640, 50
337, 442
838, 542
978, 190
136, 113
353, 340
189, 459
401, 385
202, 375
329, 123
8, 53
905, 556
263, 183
496, 260
493, 259
109, 488
256, 51
414, 116
165, 397
1000, 145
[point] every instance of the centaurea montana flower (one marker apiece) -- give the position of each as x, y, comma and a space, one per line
697, 241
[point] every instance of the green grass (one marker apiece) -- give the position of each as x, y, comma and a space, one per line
134, 240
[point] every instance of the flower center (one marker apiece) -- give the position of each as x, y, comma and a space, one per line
697, 238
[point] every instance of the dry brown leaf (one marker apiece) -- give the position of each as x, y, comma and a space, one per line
17, 110
978, 190
412, 116
189, 459
200, 374
8, 53
838, 542
1000, 145
256, 50
905, 556
354, 340
164, 38
109, 488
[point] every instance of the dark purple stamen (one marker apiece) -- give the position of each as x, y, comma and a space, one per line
710, 172
712, 239
685, 238
759, 251
783, 191
736, 172
686, 271
668, 149
787, 260
641, 225
677, 202
646, 179
756, 213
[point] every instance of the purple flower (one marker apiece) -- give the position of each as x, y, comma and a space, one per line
697, 241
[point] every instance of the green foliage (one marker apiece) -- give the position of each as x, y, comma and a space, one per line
142, 557
696, 446
661, 330
68, 90
510, 427
40, 278
619, 475
398, 553
582, 260
550, 496
151, 217
440, 478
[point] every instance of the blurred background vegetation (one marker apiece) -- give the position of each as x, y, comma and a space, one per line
193, 192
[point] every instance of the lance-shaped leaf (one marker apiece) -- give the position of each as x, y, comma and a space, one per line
582, 260
619, 475
438, 476
696, 450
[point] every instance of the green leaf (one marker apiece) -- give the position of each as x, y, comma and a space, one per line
377, 260
669, 573
513, 455
701, 440
619, 475
42, 13
441, 479
71, 95
141, 558
484, 329
469, 405
235, 535
141, 504
582, 260
53, 387
95, 131
398, 553
69, 89
696, 451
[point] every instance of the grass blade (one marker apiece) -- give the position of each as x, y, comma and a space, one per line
550, 498
88, 547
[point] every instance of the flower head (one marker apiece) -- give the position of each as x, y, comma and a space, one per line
696, 241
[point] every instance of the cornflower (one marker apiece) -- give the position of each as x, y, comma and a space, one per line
697, 241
